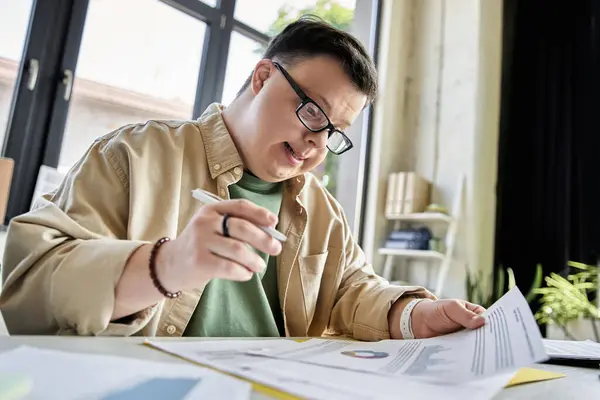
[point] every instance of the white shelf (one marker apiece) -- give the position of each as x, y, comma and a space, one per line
429, 254
445, 259
421, 217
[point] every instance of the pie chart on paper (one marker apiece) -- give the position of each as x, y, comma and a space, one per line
365, 354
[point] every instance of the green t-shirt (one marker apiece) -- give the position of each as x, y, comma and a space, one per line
244, 309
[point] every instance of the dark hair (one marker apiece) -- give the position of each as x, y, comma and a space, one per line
310, 36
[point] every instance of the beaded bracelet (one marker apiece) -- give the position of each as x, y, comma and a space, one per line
152, 266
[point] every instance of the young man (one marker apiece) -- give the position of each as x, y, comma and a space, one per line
122, 247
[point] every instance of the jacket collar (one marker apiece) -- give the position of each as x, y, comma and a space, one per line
221, 153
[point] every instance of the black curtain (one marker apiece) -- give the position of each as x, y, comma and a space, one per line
548, 194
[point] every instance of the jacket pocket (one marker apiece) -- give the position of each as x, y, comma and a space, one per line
311, 273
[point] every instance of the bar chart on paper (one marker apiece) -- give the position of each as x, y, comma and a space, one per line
427, 363
413, 358
155, 389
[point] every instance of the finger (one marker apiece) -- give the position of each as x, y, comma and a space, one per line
476, 308
227, 269
247, 210
461, 315
237, 251
249, 233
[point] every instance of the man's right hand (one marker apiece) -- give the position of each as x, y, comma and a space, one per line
202, 253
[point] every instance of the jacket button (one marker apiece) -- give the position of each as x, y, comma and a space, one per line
237, 170
222, 192
171, 329
217, 167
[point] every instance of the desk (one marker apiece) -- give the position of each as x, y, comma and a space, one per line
580, 382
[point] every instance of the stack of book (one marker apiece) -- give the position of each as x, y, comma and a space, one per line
407, 193
409, 239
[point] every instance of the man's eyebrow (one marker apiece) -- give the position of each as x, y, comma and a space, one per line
323, 103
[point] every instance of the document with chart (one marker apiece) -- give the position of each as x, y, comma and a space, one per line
315, 381
509, 340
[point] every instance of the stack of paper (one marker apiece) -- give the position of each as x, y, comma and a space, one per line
53, 374
474, 364
576, 350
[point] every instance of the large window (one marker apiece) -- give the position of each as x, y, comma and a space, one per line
90, 66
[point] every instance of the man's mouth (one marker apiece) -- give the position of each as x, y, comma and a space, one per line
293, 153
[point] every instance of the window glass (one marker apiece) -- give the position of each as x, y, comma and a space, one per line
14, 21
244, 53
143, 65
274, 15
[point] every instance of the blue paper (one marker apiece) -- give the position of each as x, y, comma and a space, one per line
155, 389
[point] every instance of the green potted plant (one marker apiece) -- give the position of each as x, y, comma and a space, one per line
565, 302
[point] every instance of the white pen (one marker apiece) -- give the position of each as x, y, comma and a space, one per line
209, 198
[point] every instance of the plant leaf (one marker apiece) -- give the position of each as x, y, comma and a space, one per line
511, 278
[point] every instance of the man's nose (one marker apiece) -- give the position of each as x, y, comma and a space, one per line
317, 139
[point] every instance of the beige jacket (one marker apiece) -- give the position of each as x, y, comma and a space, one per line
63, 259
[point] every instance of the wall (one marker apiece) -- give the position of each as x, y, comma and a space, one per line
389, 152
442, 59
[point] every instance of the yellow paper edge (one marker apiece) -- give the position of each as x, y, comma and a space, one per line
529, 375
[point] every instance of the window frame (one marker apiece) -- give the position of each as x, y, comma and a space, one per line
27, 138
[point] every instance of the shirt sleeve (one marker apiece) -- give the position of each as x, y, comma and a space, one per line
63, 259
364, 299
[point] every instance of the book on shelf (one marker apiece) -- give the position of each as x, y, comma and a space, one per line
406, 245
409, 239
407, 193
420, 238
415, 234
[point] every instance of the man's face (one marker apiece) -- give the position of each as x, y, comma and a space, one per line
276, 145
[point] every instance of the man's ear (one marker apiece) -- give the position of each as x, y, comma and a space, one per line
262, 72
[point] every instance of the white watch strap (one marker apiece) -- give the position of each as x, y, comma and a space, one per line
405, 319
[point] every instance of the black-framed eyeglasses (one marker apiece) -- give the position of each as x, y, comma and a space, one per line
314, 118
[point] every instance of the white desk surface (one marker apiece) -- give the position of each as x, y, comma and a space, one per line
580, 382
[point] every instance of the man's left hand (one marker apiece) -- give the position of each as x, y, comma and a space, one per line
434, 318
